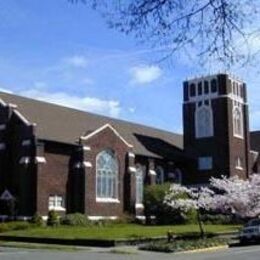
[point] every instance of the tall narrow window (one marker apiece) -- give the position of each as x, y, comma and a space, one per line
139, 185
213, 85
239, 164
192, 90
106, 175
204, 122
200, 88
237, 122
159, 175
206, 87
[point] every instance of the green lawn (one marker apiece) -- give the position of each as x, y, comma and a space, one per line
118, 231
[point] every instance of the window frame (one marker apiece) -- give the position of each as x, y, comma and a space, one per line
107, 177
205, 163
160, 169
54, 199
200, 127
238, 123
139, 180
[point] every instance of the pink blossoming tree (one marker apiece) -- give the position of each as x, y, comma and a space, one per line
228, 195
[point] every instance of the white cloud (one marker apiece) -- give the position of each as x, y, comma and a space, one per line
132, 109
77, 61
145, 74
6, 90
91, 104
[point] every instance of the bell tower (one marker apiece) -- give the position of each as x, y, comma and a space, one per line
216, 129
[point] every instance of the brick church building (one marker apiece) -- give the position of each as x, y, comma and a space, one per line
57, 158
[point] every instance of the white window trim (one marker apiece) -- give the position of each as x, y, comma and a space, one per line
139, 205
87, 137
40, 159
86, 148
87, 164
152, 172
55, 207
102, 217
132, 169
107, 200
130, 154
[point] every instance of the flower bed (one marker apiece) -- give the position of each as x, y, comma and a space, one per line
184, 245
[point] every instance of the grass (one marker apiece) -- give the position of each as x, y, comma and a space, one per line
117, 231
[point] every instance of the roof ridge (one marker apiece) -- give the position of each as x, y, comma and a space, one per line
123, 121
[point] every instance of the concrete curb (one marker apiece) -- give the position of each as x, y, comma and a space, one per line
208, 249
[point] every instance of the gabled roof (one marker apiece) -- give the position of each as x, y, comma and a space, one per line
66, 125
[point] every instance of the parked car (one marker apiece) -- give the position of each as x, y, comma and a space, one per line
250, 232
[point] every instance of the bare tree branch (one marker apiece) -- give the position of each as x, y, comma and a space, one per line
219, 29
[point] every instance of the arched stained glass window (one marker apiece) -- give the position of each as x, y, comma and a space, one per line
159, 175
204, 122
237, 122
106, 175
139, 177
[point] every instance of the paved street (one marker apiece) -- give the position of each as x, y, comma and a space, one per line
239, 253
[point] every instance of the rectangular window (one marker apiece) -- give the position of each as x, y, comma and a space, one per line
205, 163
192, 90
56, 203
200, 88
206, 87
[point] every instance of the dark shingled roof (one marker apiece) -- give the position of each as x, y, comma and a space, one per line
255, 140
66, 125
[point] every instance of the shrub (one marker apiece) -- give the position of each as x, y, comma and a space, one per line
125, 219
37, 220
155, 206
220, 219
14, 225
75, 219
18, 225
53, 218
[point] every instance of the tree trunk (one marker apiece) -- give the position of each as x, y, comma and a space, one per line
202, 233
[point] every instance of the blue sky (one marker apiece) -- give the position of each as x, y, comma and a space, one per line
65, 53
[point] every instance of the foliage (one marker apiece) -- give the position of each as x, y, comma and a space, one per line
211, 29
183, 245
75, 219
237, 196
53, 218
191, 199
14, 225
220, 219
164, 214
37, 220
